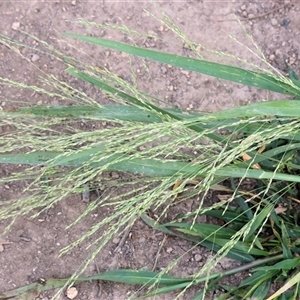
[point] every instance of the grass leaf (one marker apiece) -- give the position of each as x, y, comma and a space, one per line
235, 74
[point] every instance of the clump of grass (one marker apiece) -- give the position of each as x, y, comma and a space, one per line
161, 148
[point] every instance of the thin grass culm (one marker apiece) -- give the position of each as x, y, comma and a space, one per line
162, 156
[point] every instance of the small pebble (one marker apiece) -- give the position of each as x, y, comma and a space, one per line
163, 70
71, 293
292, 60
285, 23
116, 240
151, 32
277, 52
243, 7
73, 2
169, 250
273, 22
198, 257
15, 25
114, 175
184, 72
271, 57
35, 57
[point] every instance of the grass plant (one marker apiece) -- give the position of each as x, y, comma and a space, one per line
259, 141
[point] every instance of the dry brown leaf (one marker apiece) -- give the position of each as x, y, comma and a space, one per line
3, 242
247, 157
224, 197
280, 210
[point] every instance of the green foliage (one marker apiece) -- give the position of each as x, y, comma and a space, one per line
254, 232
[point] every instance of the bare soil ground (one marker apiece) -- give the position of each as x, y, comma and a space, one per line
35, 243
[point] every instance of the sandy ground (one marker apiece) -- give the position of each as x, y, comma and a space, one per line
35, 243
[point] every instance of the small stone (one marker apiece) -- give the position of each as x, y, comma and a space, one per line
283, 43
35, 57
151, 32
271, 57
116, 240
186, 46
245, 13
292, 60
274, 22
164, 70
251, 16
15, 25
73, 2
184, 72
169, 250
72, 293
114, 175
285, 23
198, 257
277, 52
243, 7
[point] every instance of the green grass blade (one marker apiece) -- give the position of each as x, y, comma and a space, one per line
102, 85
204, 230
282, 108
149, 167
284, 265
259, 219
107, 112
167, 114
258, 277
122, 276
292, 281
235, 74
286, 242
227, 216
262, 290
139, 277
233, 254
219, 243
